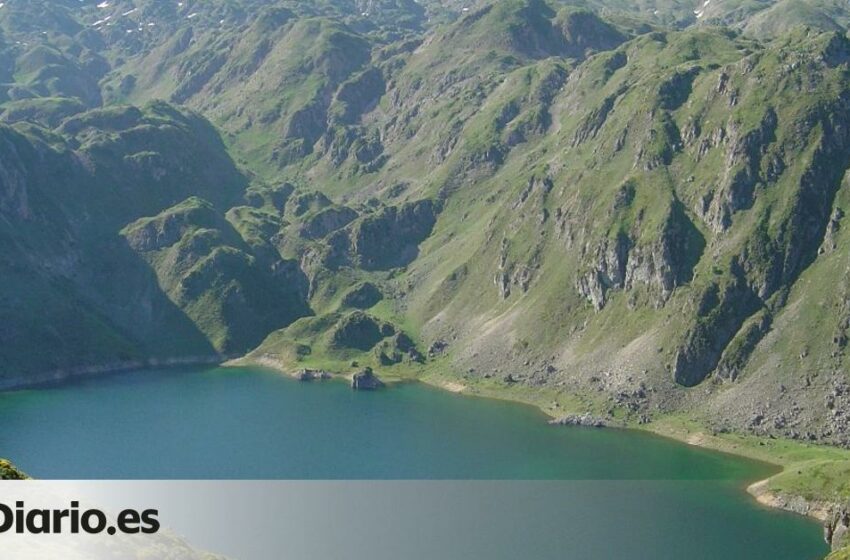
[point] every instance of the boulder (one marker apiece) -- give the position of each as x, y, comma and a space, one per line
580, 420
311, 374
365, 380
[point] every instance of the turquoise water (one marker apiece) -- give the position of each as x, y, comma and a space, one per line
255, 424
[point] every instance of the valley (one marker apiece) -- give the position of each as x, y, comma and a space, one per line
630, 211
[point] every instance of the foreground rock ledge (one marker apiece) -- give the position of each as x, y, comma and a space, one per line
8, 471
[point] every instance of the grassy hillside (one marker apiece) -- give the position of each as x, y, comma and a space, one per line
75, 286
632, 209
638, 209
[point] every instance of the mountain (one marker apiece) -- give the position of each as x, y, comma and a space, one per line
79, 295
631, 209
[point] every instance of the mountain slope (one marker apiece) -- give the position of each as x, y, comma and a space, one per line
524, 186
636, 209
632, 210
78, 295
651, 226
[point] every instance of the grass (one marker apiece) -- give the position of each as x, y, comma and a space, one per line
816, 479
814, 472
843, 554
476, 113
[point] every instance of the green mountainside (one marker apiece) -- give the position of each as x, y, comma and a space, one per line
635, 210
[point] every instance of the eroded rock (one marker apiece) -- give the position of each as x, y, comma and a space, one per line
366, 380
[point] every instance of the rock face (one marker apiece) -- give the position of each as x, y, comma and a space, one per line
585, 33
360, 331
586, 420
744, 156
362, 296
327, 221
623, 263
720, 316
390, 237
365, 380
397, 349
167, 229
837, 528
312, 375
438, 348
356, 96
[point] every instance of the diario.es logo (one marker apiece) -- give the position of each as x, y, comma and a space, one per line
73, 521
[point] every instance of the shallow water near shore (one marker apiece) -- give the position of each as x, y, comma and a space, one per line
664, 500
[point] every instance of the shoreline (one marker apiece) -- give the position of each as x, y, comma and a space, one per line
819, 510
62, 375
759, 490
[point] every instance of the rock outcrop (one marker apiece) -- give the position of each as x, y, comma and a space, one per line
366, 380
391, 237
837, 528
312, 375
362, 296
586, 420
623, 263
360, 331
8, 471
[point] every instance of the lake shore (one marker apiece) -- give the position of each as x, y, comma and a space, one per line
786, 456
822, 511
791, 459
61, 375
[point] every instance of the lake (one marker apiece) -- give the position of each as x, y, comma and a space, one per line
659, 498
